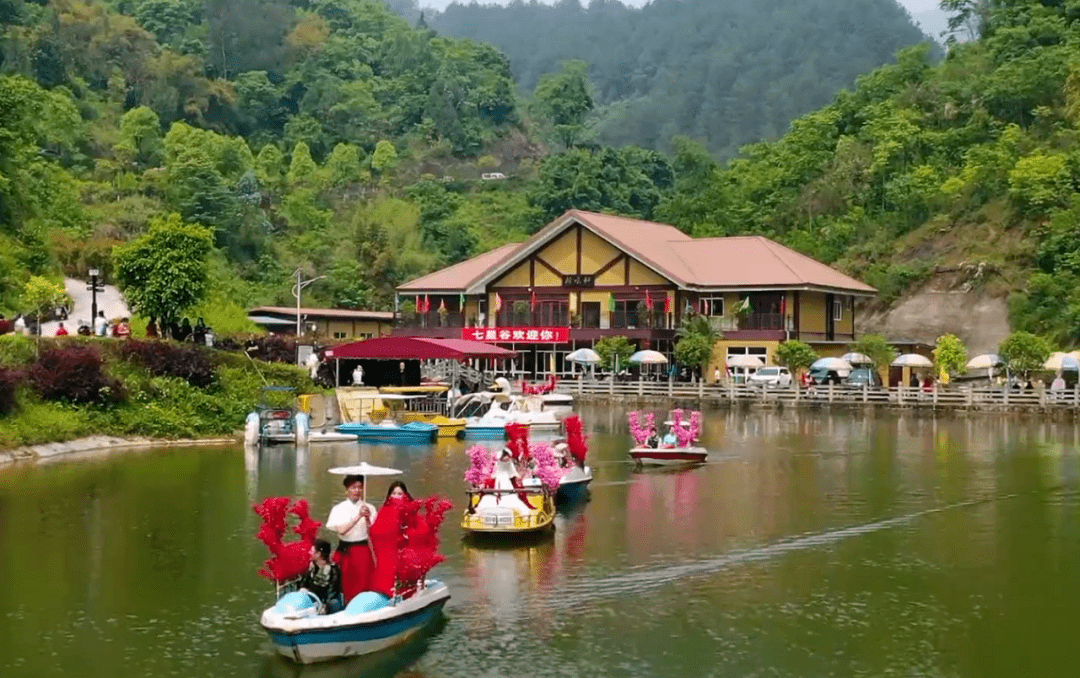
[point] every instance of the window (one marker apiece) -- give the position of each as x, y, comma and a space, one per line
340, 335
837, 310
711, 306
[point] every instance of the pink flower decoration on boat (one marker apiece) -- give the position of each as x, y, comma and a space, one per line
482, 465
547, 466
639, 428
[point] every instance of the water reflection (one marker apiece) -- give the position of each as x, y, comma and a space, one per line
811, 543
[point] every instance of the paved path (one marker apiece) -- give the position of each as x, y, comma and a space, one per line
109, 301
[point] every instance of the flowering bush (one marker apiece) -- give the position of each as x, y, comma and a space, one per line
640, 426
75, 374
287, 561
481, 467
166, 359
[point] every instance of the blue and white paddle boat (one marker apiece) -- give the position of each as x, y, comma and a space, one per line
369, 623
411, 433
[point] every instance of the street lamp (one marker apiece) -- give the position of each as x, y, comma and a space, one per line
94, 289
297, 289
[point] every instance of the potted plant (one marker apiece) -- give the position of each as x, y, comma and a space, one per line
521, 309
643, 314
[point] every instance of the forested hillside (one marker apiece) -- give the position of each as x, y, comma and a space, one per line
725, 72
335, 137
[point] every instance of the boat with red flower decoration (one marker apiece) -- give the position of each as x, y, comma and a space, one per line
512, 491
371, 621
676, 447
574, 483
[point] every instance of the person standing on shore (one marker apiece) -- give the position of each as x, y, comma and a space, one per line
351, 520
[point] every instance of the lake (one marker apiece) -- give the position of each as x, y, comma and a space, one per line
811, 544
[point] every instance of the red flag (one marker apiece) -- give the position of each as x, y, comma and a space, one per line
667, 303
532, 303
648, 300
427, 304
783, 305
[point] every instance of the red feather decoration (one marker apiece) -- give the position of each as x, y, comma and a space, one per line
518, 435
288, 560
575, 439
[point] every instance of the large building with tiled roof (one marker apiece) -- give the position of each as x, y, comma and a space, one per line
585, 276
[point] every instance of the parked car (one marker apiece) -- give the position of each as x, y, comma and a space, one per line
861, 377
825, 377
771, 375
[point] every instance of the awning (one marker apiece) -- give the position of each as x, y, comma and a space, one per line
267, 320
418, 348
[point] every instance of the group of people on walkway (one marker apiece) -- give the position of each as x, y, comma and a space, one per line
180, 330
363, 560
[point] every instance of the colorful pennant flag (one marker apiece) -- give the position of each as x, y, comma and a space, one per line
498, 302
611, 302
442, 305
461, 301
532, 302
667, 303
427, 304
648, 300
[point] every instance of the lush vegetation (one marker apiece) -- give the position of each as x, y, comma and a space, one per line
78, 387
726, 72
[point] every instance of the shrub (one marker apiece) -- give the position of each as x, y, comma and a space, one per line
9, 381
165, 359
74, 374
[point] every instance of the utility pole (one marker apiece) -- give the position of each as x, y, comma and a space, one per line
297, 290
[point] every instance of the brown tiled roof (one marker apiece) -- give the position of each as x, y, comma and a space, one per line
461, 276
703, 263
342, 313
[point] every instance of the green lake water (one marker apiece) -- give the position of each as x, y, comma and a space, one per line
810, 545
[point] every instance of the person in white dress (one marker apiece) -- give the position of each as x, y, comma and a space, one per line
358, 376
351, 520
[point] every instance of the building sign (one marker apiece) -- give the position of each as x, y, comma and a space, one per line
579, 280
521, 335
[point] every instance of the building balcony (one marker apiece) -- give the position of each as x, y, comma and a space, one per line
761, 321
431, 320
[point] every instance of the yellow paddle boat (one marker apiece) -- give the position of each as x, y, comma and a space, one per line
509, 511
448, 428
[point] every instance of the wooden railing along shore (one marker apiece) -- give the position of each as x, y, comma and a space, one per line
960, 397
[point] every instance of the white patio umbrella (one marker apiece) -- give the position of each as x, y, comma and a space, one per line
985, 361
831, 364
1061, 361
648, 358
585, 356
912, 360
857, 358
745, 361
364, 469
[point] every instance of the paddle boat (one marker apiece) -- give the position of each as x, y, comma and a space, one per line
371, 621
276, 419
493, 409
448, 428
500, 502
388, 431
676, 447
574, 484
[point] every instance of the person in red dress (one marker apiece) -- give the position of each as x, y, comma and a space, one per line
61, 331
397, 529
351, 520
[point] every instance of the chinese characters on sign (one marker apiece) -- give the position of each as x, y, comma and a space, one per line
579, 280
525, 335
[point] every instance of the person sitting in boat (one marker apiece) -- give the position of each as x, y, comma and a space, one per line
323, 578
653, 440
670, 439
351, 519
506, 472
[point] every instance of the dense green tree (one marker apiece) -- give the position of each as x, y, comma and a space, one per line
247, 35
563, 100
795, 355
875, 347
1024, 353
614, 352
163, 273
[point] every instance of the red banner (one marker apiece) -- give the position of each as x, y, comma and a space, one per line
520, 335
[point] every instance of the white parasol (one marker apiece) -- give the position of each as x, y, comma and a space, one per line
586, 356
831, 365
740, 360
857, 358
912, 360
648, 358
364, 469
1061, 361
985, 361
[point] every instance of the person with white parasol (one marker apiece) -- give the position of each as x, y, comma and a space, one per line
351, 520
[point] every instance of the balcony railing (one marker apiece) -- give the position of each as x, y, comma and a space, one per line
538, 318
633, 319
761, 321
433, 319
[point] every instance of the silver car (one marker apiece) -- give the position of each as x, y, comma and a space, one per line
771, 375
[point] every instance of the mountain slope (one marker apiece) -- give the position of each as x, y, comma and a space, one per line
726, 72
